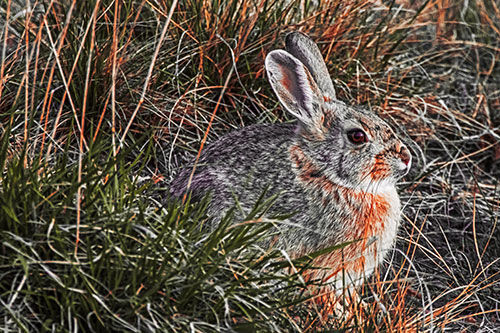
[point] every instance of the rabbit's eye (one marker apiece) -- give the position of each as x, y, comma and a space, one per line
357, 136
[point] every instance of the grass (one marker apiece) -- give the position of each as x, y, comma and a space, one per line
102, 101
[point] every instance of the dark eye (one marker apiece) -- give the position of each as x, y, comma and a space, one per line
357, 136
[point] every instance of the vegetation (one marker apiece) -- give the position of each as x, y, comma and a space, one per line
101, 101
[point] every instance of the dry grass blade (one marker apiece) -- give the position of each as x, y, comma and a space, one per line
150, 72
82, 139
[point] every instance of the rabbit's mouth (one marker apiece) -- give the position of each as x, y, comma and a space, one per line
404, 169
398, 169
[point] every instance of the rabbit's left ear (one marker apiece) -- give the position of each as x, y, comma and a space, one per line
296, 90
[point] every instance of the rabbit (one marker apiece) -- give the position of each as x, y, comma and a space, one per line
336, 168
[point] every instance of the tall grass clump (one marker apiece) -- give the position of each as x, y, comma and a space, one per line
137, 265
101, 101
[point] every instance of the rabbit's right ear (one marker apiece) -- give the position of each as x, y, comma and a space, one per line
296, 90
305, 49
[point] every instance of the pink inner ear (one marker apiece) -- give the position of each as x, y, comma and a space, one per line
286, 79
291, 88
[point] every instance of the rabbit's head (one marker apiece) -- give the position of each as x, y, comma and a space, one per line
351, 146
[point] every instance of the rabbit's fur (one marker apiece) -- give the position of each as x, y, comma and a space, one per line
339, 190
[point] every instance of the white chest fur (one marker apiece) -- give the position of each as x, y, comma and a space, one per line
376, 229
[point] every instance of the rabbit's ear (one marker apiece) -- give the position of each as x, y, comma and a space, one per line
296, 90
304, 49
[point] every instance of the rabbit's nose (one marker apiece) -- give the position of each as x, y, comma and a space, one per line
405, 155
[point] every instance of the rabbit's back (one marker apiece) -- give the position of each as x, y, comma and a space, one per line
241, 166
